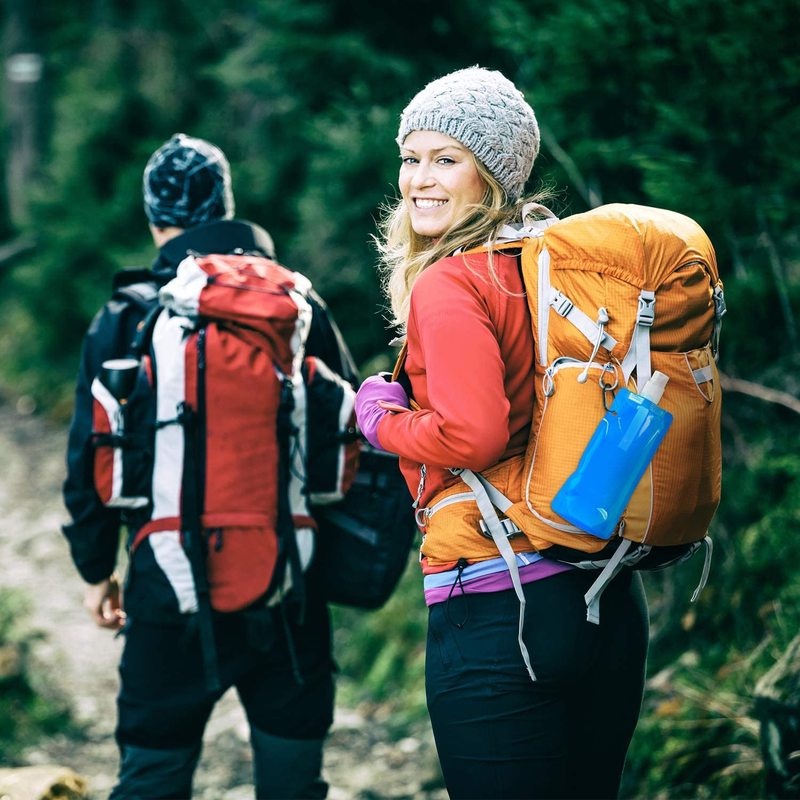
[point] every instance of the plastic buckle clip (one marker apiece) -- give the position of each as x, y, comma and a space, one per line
510, 528
561, 304
647, 309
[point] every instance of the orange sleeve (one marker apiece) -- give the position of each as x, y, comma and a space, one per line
464, 419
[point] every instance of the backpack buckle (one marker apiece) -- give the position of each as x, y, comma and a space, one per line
647, 309
510, 528
561, 304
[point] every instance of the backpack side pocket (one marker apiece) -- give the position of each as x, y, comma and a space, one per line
332, 446
122, 433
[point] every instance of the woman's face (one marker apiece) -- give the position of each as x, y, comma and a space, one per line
438, 180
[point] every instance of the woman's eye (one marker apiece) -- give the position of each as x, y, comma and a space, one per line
447, 160
408, 160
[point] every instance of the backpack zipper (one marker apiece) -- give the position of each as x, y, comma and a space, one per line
423, 515
423, 472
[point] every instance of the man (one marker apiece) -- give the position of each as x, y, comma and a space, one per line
282, 669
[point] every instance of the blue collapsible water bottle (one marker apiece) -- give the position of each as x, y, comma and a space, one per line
594, 497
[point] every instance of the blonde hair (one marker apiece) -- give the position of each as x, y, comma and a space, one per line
404, 254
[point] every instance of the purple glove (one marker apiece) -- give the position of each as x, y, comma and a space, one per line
372, 399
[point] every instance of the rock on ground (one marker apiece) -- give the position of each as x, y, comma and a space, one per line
48, 782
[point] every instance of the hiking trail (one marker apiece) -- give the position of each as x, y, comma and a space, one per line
78, 661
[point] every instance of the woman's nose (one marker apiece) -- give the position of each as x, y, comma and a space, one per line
423, 175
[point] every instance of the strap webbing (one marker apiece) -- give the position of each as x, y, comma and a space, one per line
499, 500
702, 375
638, 356
709, 545
288, 550
481, 488
564, 307
609, 571
191, 508
541, 340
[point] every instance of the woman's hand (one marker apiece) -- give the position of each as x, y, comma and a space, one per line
376, 398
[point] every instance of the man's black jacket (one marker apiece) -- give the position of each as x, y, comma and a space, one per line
94, 530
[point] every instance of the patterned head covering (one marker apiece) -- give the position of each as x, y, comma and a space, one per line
187, 182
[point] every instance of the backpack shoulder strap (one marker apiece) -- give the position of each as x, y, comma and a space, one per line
143, 294
144, 331
399, 375
138, 288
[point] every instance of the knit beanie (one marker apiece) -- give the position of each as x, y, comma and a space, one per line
485, 112
187, 182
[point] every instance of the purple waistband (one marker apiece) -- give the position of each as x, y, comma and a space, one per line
448, 584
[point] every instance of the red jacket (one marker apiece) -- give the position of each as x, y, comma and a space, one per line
470, 362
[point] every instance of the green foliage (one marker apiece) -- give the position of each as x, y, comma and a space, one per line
26, 713
381, 654
696, 736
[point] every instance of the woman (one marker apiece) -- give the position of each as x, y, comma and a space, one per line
561, 727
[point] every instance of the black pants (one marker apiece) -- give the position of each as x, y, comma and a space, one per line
164, 705
501, 735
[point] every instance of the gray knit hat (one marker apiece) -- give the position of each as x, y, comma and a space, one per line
484, 111
187, 182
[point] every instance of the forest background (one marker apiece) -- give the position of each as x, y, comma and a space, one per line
684, 104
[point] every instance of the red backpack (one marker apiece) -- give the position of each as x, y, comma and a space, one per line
218, 435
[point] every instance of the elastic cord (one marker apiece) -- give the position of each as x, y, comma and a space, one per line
461, 564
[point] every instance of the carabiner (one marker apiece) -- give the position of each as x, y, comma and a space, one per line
608, 388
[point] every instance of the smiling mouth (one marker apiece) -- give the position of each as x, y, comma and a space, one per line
422, 202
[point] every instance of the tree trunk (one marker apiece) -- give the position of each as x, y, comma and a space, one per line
23, 73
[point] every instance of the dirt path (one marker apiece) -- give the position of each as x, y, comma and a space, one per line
79, 661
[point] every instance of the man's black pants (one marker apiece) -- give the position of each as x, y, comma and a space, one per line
283, 673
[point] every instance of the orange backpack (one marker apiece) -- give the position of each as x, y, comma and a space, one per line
614, 294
